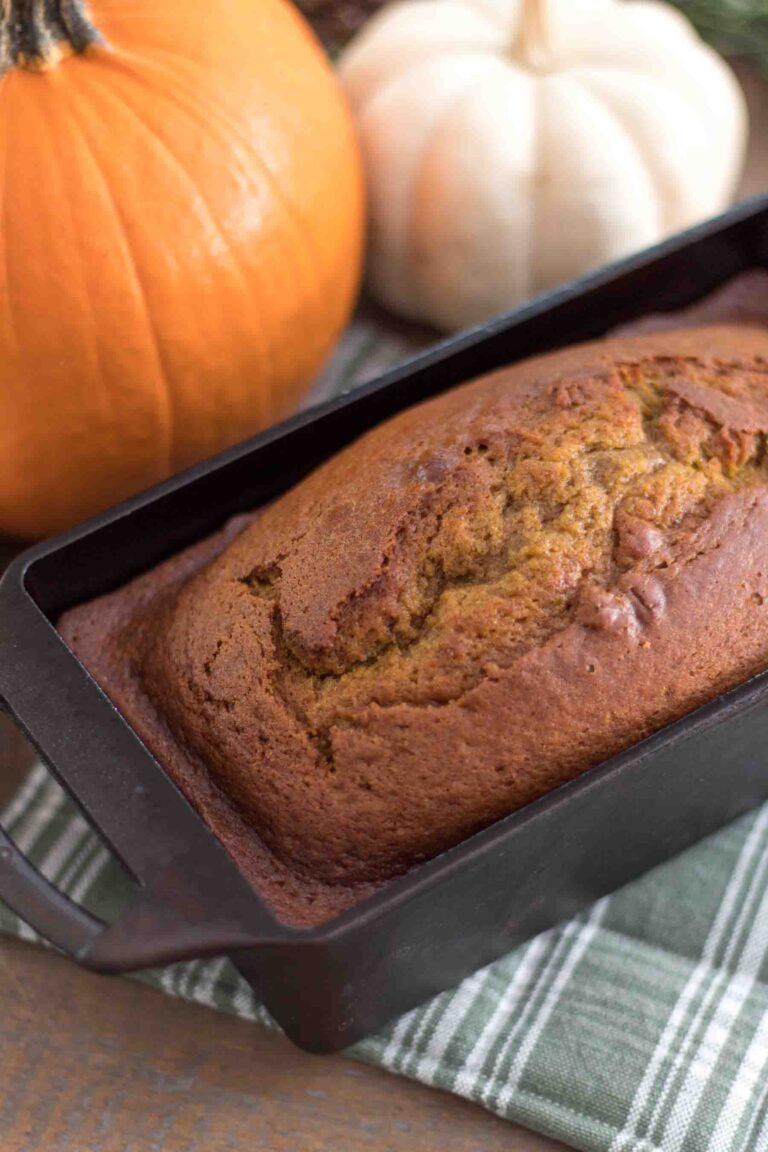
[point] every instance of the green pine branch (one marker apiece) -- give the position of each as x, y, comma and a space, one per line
735, 27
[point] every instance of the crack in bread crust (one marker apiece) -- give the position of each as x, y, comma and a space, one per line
583, 509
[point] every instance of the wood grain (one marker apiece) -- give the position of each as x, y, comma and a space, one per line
98, 1064
89, 1064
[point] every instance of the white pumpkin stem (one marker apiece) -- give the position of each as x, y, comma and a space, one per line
36, 34
533, 41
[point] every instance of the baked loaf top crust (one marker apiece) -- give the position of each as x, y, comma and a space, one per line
472, 604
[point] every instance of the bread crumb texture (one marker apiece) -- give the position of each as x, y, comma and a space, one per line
480, 599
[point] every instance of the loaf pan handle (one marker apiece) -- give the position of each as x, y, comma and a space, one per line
169, 921
180, 915
191, 900
41, 905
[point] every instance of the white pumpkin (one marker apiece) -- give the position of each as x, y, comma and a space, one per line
513, 144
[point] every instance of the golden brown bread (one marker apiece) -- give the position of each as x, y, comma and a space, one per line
474, 603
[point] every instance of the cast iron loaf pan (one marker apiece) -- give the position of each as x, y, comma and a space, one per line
329, 985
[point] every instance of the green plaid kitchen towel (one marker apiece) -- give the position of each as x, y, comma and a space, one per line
641, 1025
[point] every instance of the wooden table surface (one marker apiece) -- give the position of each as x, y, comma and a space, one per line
93, 1064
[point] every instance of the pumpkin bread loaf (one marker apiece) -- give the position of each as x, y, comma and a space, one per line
474, 603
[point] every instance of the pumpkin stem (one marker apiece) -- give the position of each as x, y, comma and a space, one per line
533, 41
36, 34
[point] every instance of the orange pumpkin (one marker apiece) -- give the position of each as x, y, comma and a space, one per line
180, 239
